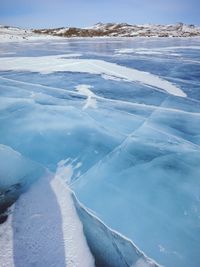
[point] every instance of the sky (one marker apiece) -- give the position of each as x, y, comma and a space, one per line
83, 13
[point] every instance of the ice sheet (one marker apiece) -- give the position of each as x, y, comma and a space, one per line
108, 126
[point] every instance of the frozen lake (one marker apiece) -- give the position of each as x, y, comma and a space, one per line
119, 121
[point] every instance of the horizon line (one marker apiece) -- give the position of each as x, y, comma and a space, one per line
103, 23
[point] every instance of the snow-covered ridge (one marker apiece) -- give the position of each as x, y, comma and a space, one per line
126, 30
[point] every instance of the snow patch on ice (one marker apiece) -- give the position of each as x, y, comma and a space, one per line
76, 249
6, 244
44, 229
146, 51
91, 97
64, 170
108, 77
165, 251
49, 64
158, 50
141, 263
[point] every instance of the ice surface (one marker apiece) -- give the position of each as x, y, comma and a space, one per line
117, 129
156, 194
108, 247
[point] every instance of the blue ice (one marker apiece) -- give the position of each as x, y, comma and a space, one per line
135, 157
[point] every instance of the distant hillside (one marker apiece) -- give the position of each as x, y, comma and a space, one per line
125, 30
13, 34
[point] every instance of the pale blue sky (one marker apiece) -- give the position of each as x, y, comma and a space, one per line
55, 13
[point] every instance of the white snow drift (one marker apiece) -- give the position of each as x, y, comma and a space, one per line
49, 64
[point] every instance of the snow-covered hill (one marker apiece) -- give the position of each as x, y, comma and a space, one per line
13, 34
126, 30
8, 33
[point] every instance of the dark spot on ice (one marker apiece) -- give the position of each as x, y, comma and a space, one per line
3, 217
7, 198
